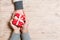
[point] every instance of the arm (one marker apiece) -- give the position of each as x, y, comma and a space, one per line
25, 31
16, 32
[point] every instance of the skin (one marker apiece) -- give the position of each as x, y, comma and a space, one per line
25, 26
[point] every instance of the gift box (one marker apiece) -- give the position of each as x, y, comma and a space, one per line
19, 20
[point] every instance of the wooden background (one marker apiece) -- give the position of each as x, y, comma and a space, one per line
43, 15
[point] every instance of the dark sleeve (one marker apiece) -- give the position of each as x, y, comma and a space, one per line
18, 5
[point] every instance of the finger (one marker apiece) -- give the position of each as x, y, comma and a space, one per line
11, 22
18, 28
15, 27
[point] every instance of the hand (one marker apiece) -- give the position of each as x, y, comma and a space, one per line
15, 28
25, 26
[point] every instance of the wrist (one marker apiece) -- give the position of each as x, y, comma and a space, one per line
25, 31
17, 31
19, 11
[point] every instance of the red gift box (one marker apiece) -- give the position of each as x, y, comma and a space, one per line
19, 22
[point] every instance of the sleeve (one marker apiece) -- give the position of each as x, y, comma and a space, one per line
18, 4
17, 0
15, 36
26, 36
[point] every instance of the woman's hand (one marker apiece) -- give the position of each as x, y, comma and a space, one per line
15, 28
25, 26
